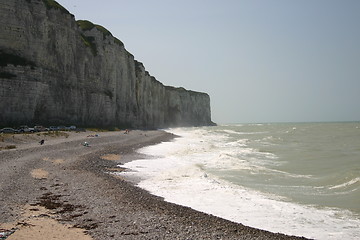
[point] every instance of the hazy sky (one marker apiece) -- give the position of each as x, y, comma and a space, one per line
259, 60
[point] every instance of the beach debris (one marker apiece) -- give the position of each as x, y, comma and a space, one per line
127, 131
42, 142
86, 144
4, 233
91, 135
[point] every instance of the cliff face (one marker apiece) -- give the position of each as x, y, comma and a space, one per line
54, 70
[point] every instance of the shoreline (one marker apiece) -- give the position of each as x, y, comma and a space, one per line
73, 184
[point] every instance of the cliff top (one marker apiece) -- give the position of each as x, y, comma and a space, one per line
86, 25
52, 4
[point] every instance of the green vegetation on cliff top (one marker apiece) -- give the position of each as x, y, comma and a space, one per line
86, 25
89, 42
181, 89
51, 4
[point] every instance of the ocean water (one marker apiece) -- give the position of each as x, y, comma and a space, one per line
300, 179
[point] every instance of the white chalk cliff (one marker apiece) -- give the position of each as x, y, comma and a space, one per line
55, 70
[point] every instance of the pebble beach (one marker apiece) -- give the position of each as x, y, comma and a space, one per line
65, 190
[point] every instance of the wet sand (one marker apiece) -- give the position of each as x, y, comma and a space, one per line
63, 187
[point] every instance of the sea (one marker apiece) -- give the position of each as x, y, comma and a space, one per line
299, 179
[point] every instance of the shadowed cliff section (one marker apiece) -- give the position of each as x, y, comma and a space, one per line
55, 70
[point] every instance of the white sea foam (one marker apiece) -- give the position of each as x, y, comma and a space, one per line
346, 184
181, 172
240, 133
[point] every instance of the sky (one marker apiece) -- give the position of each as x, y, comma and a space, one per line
259, 60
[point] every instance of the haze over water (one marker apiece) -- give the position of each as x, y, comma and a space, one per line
296, 178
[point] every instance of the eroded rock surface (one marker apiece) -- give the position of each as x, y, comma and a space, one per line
55, 70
